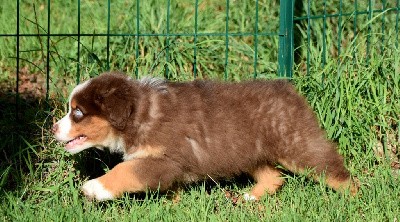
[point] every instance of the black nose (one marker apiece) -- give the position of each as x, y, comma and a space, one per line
55, 128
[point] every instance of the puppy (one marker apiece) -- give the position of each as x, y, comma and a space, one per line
173, 133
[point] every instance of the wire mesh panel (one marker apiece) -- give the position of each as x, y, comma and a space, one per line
63, 43
66, 42
352, 32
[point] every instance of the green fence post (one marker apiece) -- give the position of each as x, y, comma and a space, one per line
48, 53
17, 71
78, 64
285, 54
108, 33
137, 39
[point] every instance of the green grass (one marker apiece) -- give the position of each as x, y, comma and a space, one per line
356, 100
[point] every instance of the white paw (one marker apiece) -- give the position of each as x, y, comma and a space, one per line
93, 189
249, 197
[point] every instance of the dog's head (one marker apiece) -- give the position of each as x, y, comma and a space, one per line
99, 110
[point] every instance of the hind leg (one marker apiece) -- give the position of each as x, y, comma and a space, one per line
325, 162
342, 184
268, 179
339, 178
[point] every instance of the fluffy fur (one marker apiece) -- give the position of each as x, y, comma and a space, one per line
171, 133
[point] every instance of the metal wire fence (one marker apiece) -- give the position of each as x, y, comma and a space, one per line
346, 31
256, 36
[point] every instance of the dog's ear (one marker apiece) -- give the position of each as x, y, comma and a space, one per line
117, 104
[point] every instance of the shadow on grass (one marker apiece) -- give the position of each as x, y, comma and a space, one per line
20, 131
24, 133
93, 163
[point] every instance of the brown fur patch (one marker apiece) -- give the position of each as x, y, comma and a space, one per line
95, 128
73, 103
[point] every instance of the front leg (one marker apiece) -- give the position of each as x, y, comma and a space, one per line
94, 189
133, 176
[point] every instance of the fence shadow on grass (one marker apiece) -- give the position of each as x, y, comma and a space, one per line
24, 133
20, 132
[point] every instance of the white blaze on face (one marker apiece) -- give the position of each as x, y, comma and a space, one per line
64, 127
65, 124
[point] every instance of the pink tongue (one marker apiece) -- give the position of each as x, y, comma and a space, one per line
76, 141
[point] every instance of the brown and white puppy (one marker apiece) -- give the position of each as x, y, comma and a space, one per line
171, 133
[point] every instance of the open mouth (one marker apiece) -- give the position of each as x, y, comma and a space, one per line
77, 141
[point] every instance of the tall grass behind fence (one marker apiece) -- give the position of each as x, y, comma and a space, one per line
348, 32
188, 39
347, 55
177, 39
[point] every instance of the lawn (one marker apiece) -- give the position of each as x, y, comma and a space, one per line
353, 87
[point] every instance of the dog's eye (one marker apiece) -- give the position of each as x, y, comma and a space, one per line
77, 113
